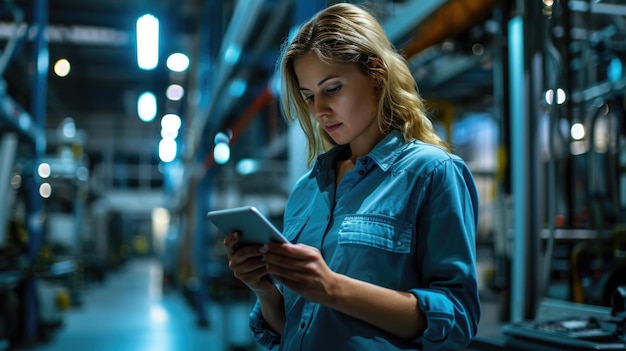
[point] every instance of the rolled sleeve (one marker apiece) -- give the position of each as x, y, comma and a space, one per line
449, 300
261, 331
447, 326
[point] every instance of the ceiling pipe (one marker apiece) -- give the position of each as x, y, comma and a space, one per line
260, 47
452, 18
239, 31
410, 15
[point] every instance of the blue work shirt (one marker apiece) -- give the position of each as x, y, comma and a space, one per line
403, 218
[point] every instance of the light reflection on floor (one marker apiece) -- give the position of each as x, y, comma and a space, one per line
130, 312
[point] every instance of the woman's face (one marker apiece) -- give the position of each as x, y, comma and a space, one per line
342, 100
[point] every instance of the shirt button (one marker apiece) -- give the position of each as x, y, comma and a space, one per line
361, 172
302, 325
364, 161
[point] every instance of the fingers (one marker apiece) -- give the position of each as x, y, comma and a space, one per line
231, 242
291, 258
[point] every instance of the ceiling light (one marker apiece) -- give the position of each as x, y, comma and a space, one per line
175, 92
43, 170
171, 122
147, 42
177, 62
167, 149
147, 106
45, 190
62, 68
221, 153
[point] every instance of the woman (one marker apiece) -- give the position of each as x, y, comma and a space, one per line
382, 227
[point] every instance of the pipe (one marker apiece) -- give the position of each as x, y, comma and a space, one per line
450, 19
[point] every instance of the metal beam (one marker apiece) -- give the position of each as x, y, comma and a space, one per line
413, 13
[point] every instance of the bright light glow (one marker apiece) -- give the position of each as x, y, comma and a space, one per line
221, 153
577, 131
560, 96
247, 166
615, 70
69, 127
221, 137
147, 106
44, 170
165, 133
548, 2
62, 68
45, 190
158, 315
171, 122
147, 42
177, 62
237, 87
167, 149
175, 92
231, 56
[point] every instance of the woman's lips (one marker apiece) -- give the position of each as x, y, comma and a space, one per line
332, 127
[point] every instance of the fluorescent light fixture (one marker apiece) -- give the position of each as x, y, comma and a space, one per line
147, 42
167, 149
147, 106
171, 122
221, 153
177, 62
175, 92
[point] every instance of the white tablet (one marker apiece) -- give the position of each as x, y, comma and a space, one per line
253, 226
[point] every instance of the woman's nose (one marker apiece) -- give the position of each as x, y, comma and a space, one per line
319, 109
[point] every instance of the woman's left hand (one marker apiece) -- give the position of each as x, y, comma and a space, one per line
302, 269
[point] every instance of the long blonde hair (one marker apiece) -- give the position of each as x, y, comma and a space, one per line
347, 33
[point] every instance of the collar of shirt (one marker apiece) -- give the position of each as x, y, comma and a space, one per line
384, 154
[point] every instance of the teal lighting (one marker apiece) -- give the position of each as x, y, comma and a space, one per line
147, 42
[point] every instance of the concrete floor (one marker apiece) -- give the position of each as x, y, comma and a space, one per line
131, 312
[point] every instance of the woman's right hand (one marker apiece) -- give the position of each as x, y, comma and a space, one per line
247, 264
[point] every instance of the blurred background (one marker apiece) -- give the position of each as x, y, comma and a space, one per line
123, 122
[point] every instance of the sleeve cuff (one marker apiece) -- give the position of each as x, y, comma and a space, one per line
262, 332
439, 316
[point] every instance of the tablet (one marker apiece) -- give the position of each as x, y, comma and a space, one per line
253, 226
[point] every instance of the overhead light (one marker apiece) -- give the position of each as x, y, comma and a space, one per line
221, 153
43, 170
177, 62
237, 87
147, 42
577, 131
62, 68
560, 96
167, 149
147, 106
175, 92
45, 190
171, 122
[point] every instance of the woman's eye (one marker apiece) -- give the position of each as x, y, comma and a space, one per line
333, 89
307, 98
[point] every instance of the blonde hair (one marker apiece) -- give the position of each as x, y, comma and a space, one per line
346, 33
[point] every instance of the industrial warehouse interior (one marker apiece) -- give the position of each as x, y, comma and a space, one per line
110, 159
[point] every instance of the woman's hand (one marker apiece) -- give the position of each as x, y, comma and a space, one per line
247, 264
302, 269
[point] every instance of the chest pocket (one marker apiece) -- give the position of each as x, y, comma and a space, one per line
377, 231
